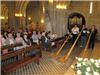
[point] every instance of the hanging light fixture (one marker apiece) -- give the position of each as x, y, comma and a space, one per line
60, 6
50, 1
18, 14
2, 17
6, 17
43, 9
42, 20
29, 18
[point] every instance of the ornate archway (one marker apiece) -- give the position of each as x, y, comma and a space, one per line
76, 18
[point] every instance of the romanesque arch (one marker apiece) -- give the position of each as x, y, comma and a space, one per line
76, 18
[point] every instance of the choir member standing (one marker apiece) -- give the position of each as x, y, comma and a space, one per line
83, 36
75, 31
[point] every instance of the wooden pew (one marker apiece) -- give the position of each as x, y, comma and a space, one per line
11, 46
58, 41
25, 59
5, 49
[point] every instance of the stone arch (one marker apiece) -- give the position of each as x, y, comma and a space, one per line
76, 18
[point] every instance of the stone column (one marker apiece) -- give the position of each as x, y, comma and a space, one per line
23, 21
11, 15
57, 19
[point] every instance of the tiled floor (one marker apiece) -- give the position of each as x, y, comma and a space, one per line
47, 66
50, 66
95, 55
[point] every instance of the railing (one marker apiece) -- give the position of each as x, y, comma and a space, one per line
86, 47
59, 51
67, 54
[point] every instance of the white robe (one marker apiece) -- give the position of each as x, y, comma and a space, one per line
19, 40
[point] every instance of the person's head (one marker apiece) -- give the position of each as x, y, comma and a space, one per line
34, 32
84, 26
39, 32
29, 31
18, 35
10, 35
47, 34
5, 33
43, 33
25, 36
93, 26
25, 33
75, 25
1, 36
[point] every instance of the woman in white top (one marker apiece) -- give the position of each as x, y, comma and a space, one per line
75, 31
3, 43
26, 41
10, 40
23, 40
19, 39
35, 37
3, 40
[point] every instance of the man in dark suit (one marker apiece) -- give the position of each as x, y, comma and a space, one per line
93, 32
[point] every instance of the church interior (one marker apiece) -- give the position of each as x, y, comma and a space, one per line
50, 37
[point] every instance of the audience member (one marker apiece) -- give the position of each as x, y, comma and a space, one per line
35, 37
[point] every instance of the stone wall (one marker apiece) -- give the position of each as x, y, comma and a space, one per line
34, 10
59, 18
82, 7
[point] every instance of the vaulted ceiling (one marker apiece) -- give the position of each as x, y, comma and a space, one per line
20, 5
4, 9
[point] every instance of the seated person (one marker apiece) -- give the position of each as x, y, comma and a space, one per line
53, 36
3, 43
10, 40
19, 39
39, 36
47, 41
43, 40
35, 37
3, 40
5, 35
26, 41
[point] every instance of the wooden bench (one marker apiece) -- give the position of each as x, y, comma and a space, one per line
17, 64
58, 41
5, 49
25, 59
11, 46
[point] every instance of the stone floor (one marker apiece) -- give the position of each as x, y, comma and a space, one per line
48, 65
95, 54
